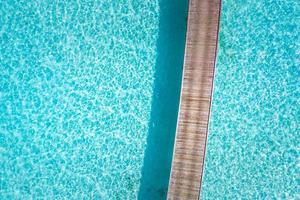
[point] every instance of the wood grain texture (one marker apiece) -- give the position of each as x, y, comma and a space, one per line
195, 102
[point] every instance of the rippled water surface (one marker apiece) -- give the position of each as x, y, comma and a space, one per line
254, 136
77, 85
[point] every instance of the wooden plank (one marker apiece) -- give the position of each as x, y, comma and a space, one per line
195, 100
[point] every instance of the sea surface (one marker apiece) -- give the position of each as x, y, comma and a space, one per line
253, 149
89, 94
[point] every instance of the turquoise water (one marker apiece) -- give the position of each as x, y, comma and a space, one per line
78, 86
254, 136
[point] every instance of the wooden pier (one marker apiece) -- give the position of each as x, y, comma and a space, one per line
195, 102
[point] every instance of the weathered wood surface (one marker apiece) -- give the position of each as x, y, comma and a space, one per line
196, 93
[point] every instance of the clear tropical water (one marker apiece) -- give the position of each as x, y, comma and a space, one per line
254, 136
89, 94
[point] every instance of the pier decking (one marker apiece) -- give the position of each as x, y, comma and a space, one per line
196, 92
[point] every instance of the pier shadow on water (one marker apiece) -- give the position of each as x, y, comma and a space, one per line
165, 103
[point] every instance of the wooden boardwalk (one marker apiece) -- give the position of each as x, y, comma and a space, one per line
196, 92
